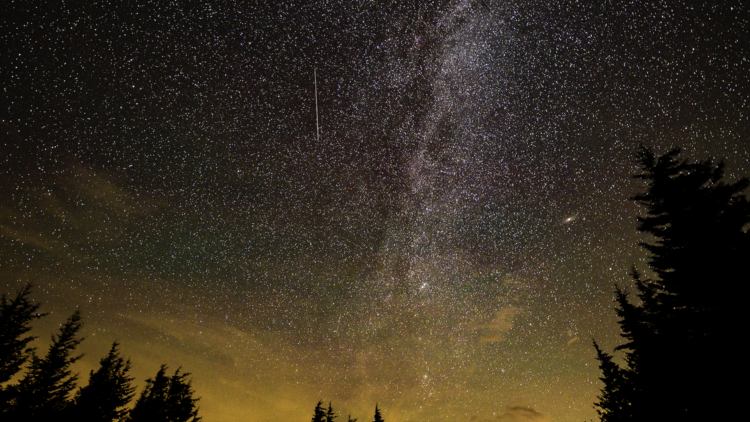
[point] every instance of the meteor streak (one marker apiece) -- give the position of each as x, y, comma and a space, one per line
317, 122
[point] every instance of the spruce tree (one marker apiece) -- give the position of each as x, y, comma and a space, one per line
699, 250
350, 419
43, 393
330, 416
181, 405
166, 399
613, 404
108, 392
151, 404
15, 321
378, 417
319, 414
698, 223
677, 337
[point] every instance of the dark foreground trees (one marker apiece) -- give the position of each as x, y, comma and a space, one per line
321, 415
15, 321
330, 415
166, 399
44, 392
678, 338
378, 416
108, 392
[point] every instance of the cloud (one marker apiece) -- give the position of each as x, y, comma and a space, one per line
86, 211
514, 414
100, 190
28, 237
501, 324
522, 414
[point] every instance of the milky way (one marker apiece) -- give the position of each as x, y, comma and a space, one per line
447, 248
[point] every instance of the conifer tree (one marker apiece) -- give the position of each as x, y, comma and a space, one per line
350, 419
15, 319
166, 399
613, 401
677, 337
319, 415
330, 416
108, 392
43, 393
378, 417
151, 404
180, 402
699, 223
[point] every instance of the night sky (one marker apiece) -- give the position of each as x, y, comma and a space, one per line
447, 248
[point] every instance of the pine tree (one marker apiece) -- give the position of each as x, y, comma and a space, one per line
701, 245
108, 392
378, 417
613, 404
698, 224
166, 399
180, 402
44, 391
151, 404
677, 337
15, 319
350, 419
319, 415
330, 416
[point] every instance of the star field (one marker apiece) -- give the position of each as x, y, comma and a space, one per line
447, 248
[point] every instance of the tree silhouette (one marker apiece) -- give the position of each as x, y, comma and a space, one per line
15, 321
350, 419
181, 404
43, 392
330, 416
108, 391
677, 338
613, 402
151, 404
166, 399
319, 415
378, 417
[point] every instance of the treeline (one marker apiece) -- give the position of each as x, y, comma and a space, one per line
679, 341
321, 414
45, 391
